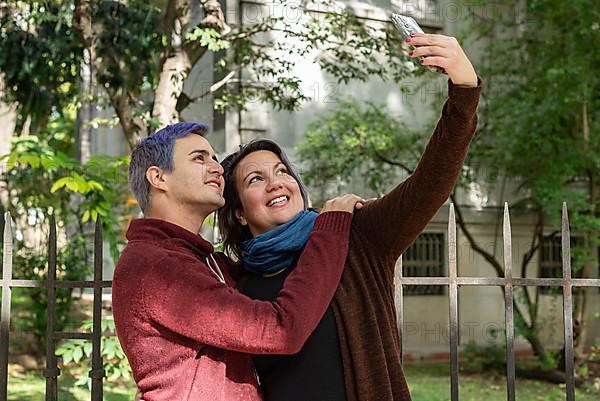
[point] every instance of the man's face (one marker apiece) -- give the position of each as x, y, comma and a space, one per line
196, 180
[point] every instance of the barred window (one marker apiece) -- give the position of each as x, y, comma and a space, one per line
424, 258
551, 261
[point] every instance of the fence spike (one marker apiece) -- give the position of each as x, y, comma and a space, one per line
508, 305
567, 303
52, 371
453, 302
7, 266
399, 301
97, 372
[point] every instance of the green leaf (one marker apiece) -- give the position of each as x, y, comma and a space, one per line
67, 356
12, 159
115, 374
83, 381
59, 184
77, 354
72, 184
32, 160
95, 185
87, 348
80, 183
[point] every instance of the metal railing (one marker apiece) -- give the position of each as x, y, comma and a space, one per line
508, 282
52, 336
452, 282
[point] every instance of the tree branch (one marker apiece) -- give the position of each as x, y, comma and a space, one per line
530, 335
185, 101
393, 162
181, 55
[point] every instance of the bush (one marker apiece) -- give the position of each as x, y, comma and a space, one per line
477, 358
76, 355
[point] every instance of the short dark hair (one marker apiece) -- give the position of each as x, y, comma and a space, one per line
157, 150
232, 231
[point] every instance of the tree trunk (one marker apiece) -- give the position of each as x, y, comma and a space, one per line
181, 55
175, 70
581, 293
84, 113
551, 376
122, 100
177, 60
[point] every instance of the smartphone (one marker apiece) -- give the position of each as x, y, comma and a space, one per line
407, 25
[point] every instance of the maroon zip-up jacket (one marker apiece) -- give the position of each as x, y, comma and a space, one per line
188, 336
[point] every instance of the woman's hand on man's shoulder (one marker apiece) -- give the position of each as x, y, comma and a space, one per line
343, 203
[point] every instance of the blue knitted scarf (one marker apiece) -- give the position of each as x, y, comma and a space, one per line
278, 248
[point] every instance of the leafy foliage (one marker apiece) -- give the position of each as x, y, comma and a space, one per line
540, 123
41, 179
39, 65
489, 357
362, 139
128, 44
345, 47
128, 31
78, 353
542, 102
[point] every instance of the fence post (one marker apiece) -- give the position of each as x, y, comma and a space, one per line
567, 304
453, 302
508, 306
97, 372
52, 371
399, 298
6, 300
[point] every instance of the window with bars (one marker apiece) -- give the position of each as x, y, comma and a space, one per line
424, 258
551, 261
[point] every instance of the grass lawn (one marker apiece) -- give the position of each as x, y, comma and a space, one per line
32, 387
428, 382
431, 382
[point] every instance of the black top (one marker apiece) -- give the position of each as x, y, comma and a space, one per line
316, 372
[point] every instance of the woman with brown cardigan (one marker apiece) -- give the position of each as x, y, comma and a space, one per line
354, 353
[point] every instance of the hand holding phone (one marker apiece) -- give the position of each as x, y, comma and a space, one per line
437, 51
408, 25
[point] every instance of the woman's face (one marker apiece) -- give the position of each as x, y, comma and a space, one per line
268, 194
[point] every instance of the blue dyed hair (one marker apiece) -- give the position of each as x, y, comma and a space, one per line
157, 150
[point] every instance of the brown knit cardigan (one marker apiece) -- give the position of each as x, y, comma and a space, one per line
364, 302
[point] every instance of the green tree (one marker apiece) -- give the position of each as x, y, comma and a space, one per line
538, 127
541, 123
141, 54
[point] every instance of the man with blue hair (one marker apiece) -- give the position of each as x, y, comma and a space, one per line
187, 332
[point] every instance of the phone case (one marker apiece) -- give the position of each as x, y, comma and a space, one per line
408, 25
405, 24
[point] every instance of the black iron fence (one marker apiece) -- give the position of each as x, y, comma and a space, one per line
52, 336
508, 282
